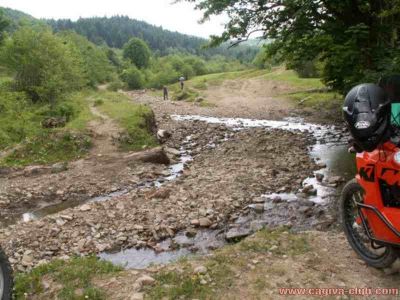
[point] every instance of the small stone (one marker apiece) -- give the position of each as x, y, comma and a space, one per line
259, 200
27, 259
202, 270
258, 208
205, 222
172, 151
235, 234
195, 222
319, 176
145, 280
137, 296
85, 207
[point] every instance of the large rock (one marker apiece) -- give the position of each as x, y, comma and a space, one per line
155, 156
235, 234
54, 122
163, 135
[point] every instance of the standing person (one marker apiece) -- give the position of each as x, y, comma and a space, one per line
165, 90
181, 80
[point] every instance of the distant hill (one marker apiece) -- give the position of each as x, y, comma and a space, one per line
117, 30
17, 17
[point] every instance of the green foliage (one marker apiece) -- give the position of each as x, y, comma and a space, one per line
115, 85
96, 62
49, 146
118, 30
133, 78
4, 24
18, 118
74, 277
356, 40
138, 52
45, 68
21, 124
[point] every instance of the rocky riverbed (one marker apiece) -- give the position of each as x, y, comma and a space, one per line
230, 170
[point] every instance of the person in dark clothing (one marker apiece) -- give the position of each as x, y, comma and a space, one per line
165, 90
182, 80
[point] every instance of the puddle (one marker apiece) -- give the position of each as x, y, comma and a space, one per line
143, 258
201, 244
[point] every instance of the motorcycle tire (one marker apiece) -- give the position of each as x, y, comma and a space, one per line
351, 193
6, 279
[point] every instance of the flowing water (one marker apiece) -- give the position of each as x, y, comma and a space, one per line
330, 149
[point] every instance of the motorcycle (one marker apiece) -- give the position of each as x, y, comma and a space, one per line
370, 203
6, 282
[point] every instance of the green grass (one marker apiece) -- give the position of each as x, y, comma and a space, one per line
49, 146
291, 78
136, 119
329, 100
73, 278
80, 101
21, 124
267, 240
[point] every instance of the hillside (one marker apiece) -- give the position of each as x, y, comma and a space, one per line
117, 30
16, 17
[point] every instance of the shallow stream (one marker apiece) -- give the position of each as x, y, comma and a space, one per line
329, 151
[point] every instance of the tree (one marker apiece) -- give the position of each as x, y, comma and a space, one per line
44, 67
138, 52
4, 23
96, 65
356, 39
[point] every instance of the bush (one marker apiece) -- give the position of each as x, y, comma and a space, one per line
133, 78
98, 102
45, 67
307, 69
115, 85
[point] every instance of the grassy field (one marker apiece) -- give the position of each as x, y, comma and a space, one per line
137, 120
38, 145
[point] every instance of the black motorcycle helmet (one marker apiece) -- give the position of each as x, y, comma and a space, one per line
367, 113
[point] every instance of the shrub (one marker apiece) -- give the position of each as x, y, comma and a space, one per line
45, 67
133, 78
115, 85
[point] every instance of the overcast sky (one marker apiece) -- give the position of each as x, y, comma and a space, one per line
177, 17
